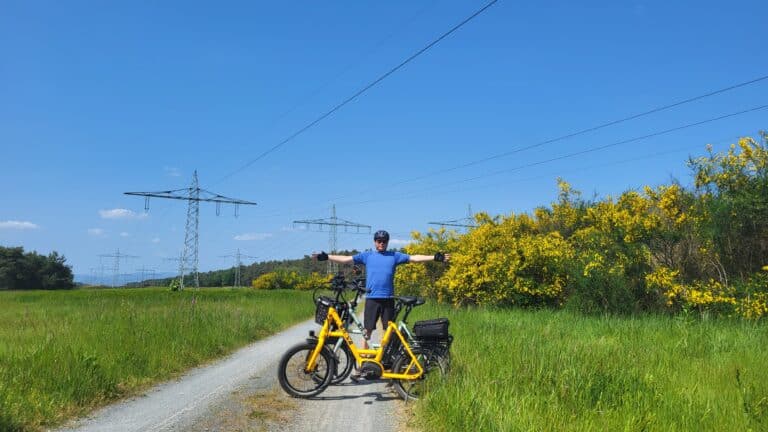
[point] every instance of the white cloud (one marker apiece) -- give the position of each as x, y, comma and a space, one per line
124, 234
120, 213
399, 242
96, 232
252, 236
172, 171
18, 225
156, 240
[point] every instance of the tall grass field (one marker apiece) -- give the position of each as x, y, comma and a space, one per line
559, 371
62, 353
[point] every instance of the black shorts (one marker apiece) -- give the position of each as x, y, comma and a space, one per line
378, 307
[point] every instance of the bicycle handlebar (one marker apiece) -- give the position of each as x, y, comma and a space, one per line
339, 285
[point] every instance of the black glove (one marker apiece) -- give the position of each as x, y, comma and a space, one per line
322, 256
440, 257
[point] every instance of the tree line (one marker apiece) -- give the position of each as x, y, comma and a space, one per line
248, 273
26, 271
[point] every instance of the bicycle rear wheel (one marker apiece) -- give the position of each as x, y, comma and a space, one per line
435, 369
345, 363
294, 378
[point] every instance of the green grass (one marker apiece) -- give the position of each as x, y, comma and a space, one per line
544, 371
62, 353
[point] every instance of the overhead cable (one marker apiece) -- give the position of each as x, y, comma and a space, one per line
589, 150
360, 92
573, 134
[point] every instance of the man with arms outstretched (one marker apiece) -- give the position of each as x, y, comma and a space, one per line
380, 265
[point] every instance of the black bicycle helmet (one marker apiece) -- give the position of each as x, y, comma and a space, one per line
381, 235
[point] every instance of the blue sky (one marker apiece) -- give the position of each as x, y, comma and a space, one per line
100, 98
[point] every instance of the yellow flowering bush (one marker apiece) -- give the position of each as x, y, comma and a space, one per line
565, 215
656, 248
504, 262
753, 293
664, 284
277, 280
753, 306
732, 192
421, 279
710, 296
313, 281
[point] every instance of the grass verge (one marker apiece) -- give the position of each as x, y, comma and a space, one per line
62, 353
554, 370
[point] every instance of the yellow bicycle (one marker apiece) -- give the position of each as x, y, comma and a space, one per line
308, 368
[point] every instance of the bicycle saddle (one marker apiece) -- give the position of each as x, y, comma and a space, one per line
411, 300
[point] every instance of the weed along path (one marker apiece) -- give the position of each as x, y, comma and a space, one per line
241, 392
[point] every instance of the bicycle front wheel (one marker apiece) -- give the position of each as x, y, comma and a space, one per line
435, 369
294, 378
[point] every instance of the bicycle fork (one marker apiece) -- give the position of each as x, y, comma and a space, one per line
319, 346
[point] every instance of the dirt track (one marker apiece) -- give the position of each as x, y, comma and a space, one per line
241, 393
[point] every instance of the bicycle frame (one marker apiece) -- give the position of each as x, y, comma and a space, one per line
364, 355
401, 325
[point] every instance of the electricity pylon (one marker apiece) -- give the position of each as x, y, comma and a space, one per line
116, 269
238, 264
193, 195
178, 260
467, 222
143, 272
333, 224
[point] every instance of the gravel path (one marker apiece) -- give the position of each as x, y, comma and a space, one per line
241, 393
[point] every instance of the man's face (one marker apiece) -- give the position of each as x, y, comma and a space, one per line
381, 245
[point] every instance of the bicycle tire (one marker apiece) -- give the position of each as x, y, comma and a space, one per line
435, 366
298, 383
345, 363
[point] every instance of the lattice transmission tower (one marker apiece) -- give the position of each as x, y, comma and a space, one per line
116, 268
238, 263
143, 274
193, 195
333, 223
467, 222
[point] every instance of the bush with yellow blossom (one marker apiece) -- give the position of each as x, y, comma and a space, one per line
662, 248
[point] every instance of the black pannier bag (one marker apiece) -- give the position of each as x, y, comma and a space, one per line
431, 329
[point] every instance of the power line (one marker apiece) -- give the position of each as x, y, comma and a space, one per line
392, 184
349, 66
466, 222
573, 134
431, 191
333, 223
361, 91
589, 150
627, 141
563, 137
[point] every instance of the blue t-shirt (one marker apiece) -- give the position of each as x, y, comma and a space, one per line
380, 271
